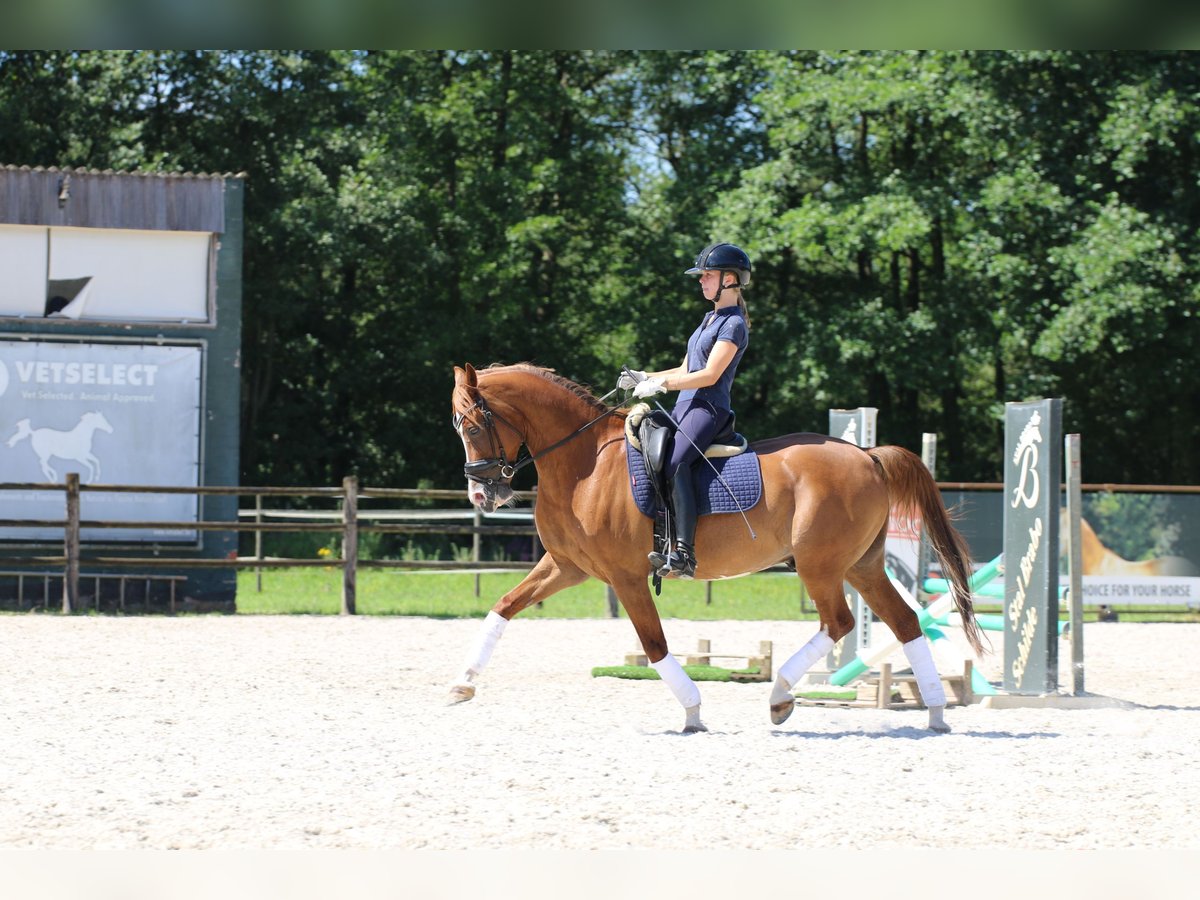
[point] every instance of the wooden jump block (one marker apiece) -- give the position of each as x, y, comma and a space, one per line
704, 655
890, 691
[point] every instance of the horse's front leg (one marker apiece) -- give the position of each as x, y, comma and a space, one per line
635, 597
548, 577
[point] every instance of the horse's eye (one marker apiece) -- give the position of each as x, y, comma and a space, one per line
473, 430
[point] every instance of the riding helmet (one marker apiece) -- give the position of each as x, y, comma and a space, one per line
723, 257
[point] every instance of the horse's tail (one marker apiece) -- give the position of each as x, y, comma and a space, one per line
913, 492
23, 431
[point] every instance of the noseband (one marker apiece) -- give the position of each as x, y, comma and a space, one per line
496, 469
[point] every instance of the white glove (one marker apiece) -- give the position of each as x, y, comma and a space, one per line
649, 388
631, 379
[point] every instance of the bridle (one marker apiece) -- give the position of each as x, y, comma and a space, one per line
496, 469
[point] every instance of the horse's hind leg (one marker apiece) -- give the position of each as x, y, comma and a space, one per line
836, 621
869, 579
548, 577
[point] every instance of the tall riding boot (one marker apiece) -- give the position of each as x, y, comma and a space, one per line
682, 561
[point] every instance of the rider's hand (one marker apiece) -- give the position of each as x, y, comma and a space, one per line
630, 379
649, 388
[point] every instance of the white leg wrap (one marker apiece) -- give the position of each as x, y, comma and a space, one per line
804, 658
684, 689
485, 643
928, 682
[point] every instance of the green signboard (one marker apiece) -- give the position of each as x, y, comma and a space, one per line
1032, 499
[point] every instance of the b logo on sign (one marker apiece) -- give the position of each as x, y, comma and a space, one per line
1026, 459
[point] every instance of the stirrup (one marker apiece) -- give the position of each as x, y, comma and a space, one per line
681, 564
658, 562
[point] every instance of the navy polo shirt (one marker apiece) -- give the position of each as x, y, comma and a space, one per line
727, 324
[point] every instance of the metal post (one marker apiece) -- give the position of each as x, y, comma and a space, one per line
1075, 557
476, 544
613, 604
929, 457
349, 544
537, 544
71, 545
258, 510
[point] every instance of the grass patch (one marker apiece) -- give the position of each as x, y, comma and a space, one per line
396, 592
391, 592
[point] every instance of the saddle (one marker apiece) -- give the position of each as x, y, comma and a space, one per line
731, 483
648, 432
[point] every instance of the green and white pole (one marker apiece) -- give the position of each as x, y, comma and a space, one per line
869, 658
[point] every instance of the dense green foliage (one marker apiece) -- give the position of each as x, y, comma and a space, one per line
933, 233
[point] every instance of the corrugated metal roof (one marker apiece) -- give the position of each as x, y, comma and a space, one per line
91, 198
7, 167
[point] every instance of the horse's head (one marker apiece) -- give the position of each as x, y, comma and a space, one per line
492, 444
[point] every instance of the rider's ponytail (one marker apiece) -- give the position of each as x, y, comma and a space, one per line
745, 312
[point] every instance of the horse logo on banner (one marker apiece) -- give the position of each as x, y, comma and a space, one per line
75, 445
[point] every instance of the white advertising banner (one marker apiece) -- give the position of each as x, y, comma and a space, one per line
116, 413
1147, 590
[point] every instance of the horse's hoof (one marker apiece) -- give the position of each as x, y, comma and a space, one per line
781, 711
691, 721
460, 693
937, 722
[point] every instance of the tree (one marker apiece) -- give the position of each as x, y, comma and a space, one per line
933, 233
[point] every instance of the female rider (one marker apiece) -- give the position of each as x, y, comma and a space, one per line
704, 381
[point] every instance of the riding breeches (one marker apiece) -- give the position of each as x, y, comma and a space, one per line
700, 422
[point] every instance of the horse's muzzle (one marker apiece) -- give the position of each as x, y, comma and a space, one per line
489, 496
489, 482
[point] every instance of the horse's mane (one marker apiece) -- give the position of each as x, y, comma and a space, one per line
553, 377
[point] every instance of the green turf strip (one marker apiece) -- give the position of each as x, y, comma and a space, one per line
827, 695
696, 673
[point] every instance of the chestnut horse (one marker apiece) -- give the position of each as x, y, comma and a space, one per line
824, 507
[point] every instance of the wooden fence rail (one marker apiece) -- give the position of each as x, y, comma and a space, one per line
349, 523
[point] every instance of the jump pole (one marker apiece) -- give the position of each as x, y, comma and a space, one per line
985, 621
938, 607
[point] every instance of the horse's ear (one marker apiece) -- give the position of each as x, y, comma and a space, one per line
465, 378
